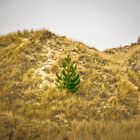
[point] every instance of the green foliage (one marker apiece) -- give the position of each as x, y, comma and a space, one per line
68, 78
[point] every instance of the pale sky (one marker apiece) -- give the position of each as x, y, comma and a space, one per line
98, 23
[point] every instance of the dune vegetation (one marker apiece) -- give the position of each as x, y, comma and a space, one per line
105, 107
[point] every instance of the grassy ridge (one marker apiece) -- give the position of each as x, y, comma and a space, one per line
31, 104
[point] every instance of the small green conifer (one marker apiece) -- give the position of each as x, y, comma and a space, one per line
68, 78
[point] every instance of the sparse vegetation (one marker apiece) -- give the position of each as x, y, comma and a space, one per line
105, 107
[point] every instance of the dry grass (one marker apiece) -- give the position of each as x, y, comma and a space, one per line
16, 128
31, 107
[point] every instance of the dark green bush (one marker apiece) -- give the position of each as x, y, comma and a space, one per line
68, 78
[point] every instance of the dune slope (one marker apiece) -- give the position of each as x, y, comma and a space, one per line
30, 103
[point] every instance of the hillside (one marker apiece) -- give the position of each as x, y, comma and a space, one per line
31, 107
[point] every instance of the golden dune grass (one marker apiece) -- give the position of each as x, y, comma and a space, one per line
105, 107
